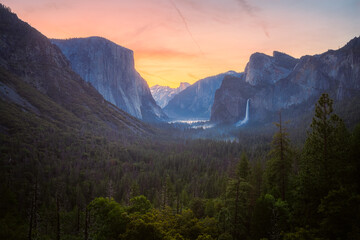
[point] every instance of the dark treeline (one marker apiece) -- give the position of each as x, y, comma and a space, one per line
58, 184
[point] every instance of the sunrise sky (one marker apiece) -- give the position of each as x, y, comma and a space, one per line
185, 40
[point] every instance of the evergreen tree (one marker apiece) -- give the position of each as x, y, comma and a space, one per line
243, 168
256, 180
238, 199
279, 165
270, 218
354, 177
323, 161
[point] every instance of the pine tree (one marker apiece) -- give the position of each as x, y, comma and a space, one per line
243, 168
279, 166
326, 145
323, 162
238, 198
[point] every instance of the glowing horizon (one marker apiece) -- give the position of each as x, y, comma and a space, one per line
183, 40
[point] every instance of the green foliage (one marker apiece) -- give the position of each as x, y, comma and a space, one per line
208, 227
204, 237
340, 211
139, 204
210, 208
243, 168
197, 205
326, 147
300, 234
354, 163
108, 218
324, 160
279, 166
225, 236
163, 224
238, 199
188, 189
143, 226
270, 218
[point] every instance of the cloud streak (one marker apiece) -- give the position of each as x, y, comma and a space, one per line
186, 25
251, 11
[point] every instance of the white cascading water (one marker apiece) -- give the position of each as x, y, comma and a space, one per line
246, 119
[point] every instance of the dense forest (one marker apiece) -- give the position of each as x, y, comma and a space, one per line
63, 184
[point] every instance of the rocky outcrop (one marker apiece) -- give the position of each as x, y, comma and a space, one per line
163, 94
195, 102
110, 69
264, 70
36, 78
284, 83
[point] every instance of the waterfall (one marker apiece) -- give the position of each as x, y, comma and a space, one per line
246, 119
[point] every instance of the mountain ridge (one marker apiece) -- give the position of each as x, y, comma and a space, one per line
335, 71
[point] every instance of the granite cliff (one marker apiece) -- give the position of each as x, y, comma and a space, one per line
266, 70
110, 69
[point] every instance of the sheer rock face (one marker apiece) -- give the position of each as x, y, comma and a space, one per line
163, 94
229, 104
195, 101
284, 83
110, 69
28, 60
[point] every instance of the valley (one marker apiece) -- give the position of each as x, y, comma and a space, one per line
90, 151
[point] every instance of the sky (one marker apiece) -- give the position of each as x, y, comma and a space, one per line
186, 40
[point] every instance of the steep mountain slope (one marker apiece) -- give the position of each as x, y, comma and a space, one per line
110, 69
295, 89
196, 101
37, 83
163, 94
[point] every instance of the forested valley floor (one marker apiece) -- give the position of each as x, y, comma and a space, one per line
64, 184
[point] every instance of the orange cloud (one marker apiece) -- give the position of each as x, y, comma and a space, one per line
169, 36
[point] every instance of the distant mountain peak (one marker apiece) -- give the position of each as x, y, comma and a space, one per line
231, 72
163, 94
183, 85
